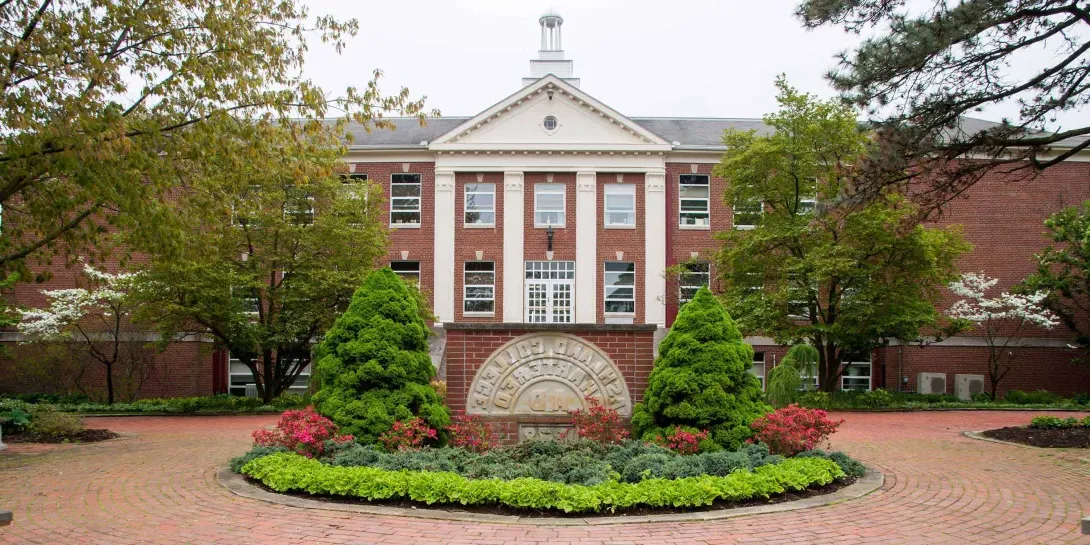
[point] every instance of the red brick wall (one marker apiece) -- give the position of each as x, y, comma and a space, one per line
682, 242
467, 240
629, 241
467, 350
535, 242
1032, 368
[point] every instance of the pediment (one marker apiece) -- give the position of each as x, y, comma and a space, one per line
519, 123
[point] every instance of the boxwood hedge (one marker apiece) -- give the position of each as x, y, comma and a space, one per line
287, 472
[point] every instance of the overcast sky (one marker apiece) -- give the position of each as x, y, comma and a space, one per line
681, 58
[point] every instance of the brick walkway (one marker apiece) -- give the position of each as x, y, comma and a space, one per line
159, 487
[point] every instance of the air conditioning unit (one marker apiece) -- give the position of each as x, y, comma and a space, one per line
251, 390
967, 386
930, 383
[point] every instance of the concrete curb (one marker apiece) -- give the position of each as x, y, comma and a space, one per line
979, 435
238, 485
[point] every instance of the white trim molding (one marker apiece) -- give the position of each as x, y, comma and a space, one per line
443, 269
586, 247
514, 216
654, 240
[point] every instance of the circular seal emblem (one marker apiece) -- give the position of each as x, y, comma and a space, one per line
546, 374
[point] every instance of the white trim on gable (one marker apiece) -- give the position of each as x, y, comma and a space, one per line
629, 135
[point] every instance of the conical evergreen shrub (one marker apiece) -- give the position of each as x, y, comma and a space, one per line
701, 378
374, 366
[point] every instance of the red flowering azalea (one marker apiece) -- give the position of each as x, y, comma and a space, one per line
793, 429
597, 423
303, 431
681, 441
472, 433
408, 435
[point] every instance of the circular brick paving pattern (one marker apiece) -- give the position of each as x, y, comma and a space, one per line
160, 487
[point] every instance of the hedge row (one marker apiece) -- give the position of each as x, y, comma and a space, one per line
177, 405
888, 399
285, 472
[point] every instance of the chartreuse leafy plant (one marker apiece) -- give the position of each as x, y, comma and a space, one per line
822, 266
285, 472
374, 364
701, 379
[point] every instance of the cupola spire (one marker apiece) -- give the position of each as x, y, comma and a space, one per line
550, 58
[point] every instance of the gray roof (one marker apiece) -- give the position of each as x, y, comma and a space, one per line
693, 133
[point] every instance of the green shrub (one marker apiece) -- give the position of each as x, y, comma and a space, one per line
683, 467
1086, 422
255, 453
645, 466
877, 399
374, 363
1054, 423
785, 380
847, 464
701, 378
56, 424
286, 472
814, 400
724, 462
1039, 397
1081, 398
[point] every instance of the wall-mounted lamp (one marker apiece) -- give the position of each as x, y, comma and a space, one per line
549, 233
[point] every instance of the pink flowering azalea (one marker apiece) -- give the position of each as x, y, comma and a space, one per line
303, 431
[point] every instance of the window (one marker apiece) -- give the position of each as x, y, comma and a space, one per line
299, 208
550, 289
240, 377
620, 288
480, 204
620, 205
694, 195
693, 277
549, 205
856, 372
407, 270
405, 199
549, 122
354, 185
758, 367
747, 215
806, 207
479, 285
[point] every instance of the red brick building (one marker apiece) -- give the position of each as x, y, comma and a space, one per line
550, 213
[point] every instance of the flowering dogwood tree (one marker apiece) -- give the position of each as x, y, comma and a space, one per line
1002, 319
94, 321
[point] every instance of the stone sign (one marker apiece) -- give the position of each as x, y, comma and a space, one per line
546, 374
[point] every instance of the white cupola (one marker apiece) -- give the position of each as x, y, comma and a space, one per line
550, 58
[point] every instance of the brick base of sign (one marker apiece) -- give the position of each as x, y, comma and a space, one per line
525, 378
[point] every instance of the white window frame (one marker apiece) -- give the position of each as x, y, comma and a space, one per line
625, 190
290, 210
735, 211
477, 191
466, 286
547, 188
607, 283
759, 358
406, 271
682, 286
812, 205
707, 185
350, 183
869, 363
550, 276
235, 368
419, 199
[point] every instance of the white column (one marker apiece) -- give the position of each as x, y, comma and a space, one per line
513, 247
586, 248
443, 293
654, 244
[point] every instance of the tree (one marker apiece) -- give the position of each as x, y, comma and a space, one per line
701, 379
786, 379
821, 267
273, 245
1002, 319
374, 363
1063, 272
931, 63
94, 323
98, 102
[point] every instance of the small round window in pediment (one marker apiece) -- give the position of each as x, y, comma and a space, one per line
550, 123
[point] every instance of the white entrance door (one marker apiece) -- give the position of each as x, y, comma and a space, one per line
550, 289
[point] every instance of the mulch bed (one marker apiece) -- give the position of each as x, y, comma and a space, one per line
1047, 438
540, 513
85, 436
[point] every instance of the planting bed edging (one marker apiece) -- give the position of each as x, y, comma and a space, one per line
239, 486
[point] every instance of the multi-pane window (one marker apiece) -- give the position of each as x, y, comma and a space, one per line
758, 367
620, 205
694, 275
241, 379
747, 215
479, 284
480, 204
299, 208
620, 287
857, 368
550, 290
549, 205
694, 196
806, 207
405, 199
407, 270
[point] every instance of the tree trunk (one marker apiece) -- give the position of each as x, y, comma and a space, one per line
828, 368
267, 365
109, 384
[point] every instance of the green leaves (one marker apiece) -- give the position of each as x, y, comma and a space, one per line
285, 472
1063, 270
